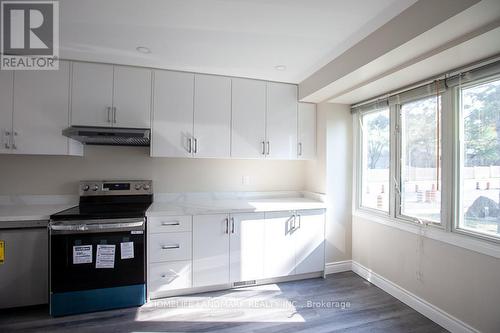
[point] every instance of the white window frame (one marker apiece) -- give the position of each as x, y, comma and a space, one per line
358, 153
458, 136
397, 178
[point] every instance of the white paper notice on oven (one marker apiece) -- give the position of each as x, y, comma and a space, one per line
82, 254
127, 250
105, 257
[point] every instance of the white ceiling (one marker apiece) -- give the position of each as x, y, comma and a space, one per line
245, 38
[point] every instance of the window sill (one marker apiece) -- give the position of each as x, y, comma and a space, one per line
464, 241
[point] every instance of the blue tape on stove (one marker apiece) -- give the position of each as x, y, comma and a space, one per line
82, 301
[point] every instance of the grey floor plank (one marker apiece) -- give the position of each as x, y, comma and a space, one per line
342, 302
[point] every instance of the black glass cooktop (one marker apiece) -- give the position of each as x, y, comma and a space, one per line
106, 207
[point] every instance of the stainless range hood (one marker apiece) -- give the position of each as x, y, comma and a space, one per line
110, 136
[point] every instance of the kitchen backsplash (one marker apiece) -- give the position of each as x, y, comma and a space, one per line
31, 174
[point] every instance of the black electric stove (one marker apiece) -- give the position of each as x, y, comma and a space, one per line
109, 200
98, 248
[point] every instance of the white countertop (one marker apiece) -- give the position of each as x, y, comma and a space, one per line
33, 207
39, 208
28, 212
203, 207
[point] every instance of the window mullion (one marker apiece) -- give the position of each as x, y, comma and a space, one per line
447, 160
394, 164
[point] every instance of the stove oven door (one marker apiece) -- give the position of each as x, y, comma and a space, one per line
96, 265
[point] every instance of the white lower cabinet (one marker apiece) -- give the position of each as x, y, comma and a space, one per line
309, 237
246, 246
170, 246
231, 248
169, 276
210, 250
279, 244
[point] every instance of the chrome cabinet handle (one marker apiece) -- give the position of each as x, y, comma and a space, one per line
300, 219
14, 141
108, 110
190, 145
114, 114
170, 223
293, 221
170, 247
300, 149
227, 225
232, 225
263, 148
195, 148
172, 274
268, 147
7, 139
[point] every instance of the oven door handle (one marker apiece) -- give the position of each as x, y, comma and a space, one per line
92, 228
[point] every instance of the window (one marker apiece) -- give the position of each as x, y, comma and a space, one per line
480, 162
420, 188
375, 160
430, 155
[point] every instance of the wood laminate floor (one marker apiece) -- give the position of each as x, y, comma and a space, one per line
342, 302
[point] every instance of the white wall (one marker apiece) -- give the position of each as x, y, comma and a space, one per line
331, 173
463, 283
60, 174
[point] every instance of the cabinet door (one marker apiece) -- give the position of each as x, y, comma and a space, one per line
279, 246
309, 239
91, 94
6, 98
210, 250
172, 126
247, 246
248, 132
132, 97
281, 120
212, 116
306, 146
41, 111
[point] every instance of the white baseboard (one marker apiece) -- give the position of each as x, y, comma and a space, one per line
432, 312
338, 267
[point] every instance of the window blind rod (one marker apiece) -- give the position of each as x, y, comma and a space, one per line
428, 87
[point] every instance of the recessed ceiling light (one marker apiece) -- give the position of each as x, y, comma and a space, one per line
280, 67
143, 49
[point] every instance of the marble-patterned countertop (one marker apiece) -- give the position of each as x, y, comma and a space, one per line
33, 208
40, 207
220, 205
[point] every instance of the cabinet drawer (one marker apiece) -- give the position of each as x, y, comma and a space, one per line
169, 276
170, 246
169, 224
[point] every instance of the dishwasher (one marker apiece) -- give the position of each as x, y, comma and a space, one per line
23, 263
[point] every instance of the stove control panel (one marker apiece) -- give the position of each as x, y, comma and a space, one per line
115, 187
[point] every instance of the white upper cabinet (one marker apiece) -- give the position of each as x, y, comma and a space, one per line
6, 99
247, 246
41, 111
248, 134
212, 116
281, 121
306, 145
110, 96
172, 126
131, 97
210, 249
92, 94
309, 239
